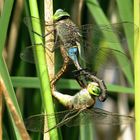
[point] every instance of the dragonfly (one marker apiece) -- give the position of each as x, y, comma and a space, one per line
80, 111
73, 43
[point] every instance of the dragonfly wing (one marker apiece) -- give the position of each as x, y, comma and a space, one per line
106, 56
80, 119
110, 36
27, 55
29, 21
102, 57
75, 118
35, 123
122, 30
100, 116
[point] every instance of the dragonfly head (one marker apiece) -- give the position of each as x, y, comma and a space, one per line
93, 89
60, 14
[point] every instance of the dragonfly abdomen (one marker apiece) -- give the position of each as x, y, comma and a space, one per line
63, 68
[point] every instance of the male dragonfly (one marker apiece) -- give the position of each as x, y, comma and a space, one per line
74, 41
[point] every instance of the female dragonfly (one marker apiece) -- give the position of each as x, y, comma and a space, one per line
81, 111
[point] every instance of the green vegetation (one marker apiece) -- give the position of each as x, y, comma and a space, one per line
28, 85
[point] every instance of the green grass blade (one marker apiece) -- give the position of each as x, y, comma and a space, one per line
97, 12
87, 132
137, 70
4, 22
25, 82
33, 82
42, 71
124, 8
6, 78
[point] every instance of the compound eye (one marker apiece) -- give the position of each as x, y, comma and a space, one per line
94, 89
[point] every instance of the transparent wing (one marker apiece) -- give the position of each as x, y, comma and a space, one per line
101, 117
106, 117
27, 55
95, 34
103, 56
114, 33
98, 56
75, 118
36, 122
122, 30
115, 37
29, 21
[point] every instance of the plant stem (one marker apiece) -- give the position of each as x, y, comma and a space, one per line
137, 68
42, 71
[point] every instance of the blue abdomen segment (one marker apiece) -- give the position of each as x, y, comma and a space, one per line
73, 53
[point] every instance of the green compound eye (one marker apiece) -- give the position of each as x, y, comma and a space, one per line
94, 89
59, 14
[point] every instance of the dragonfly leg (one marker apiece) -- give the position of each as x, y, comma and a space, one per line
103, 94
55, 45
42, 35
82, 82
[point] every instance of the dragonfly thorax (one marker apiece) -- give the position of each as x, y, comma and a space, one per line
67, 32
82, 100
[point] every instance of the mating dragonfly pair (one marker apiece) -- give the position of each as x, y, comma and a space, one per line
73, 42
